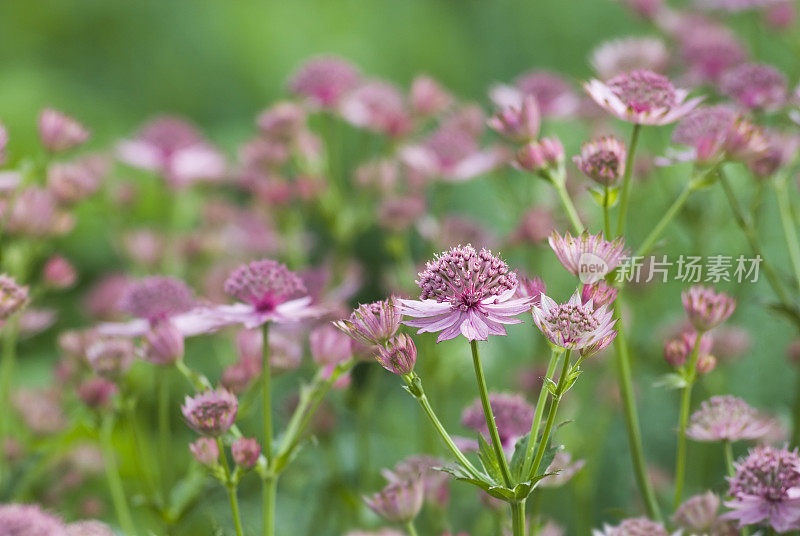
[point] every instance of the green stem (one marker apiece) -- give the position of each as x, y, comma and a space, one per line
144, 458
268, 484
539, 412
569, 207
686, 403
668, 216
789, 230
10, 334
625, 382
269, 493
626, 180
727, 446
112, 475
606, 218
412, 531
165, 442
551, 417
230, 485
487, 412
518, 518
419, 394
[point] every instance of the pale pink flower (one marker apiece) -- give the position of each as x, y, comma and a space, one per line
639, 526
620, 56
600, 293
465, 292
398, 502
587, 256
245, 452
428, 97
531, 287
377, 106
211, 413
707, 308
642, 97
60, 132
563, 469
399, 213
399, 355
282, 121
323, 81
700, 515
780, 15
709, 50
29, 520
41, 410
553, 94
513, 416
602, 160
727, 418
13, 296
97, 392
575, 325
72, 182
518, 123
424, 468
540, 156
205, 450
35, 212
110, 357
59, 273
89, 528
330, 346
755, 86
373, 323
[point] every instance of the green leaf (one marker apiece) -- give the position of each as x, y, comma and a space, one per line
672, 380
547, 459
518, 459
599, 196
490, 462
458, 473
503, 493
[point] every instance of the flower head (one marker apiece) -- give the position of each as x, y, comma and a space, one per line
205, 450
531, 287
727, 418
765, 489
372, 323
399, 355
29, 520
211, 413
518, 123
709, 51
398, 502
424, 468
602, 160
639, 526
325, 80
707, 308
642, 97
575, 325
245, 452
97, 392
13, 296
156, 298
512, 414
110, 357
165, 343
600, 293
60, 132
540, 156
698, 514
72, 182
468, 292
621, 56
428, 97
677, 350
589, 257
377, 106
283, 121
755, 86
553, 94
329, 346
89, 528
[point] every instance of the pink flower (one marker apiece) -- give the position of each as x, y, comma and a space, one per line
174, 148
531, 287
59, 273
700, 515
97, 392
589, 257
72, 182
575, 325
323, 81
13, 296
165, 343
330, 346
428, 97
621, 56
245, 452
518, 123
540, 156
267, 292
564, 469
512, 413
210, 413
377, 106
727, 418
373, 323
398, 502
89, 528
709, 50
602, 160
553, 94
600, 293
424, 468
29, 520
534, 226
639, 526
465, 292
283, 121
766, 489
755, 86
642, 97
60, 132
205, 450
110, 358
399, 355
707, 308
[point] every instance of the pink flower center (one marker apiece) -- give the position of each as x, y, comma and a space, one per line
643, 91
572, 321
263, 284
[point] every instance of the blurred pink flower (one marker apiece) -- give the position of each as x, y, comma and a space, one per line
60, 132
324, 80
377, 106
428, 97
755, 86
620, 56
553, 94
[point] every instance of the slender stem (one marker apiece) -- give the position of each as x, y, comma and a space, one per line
569, 207
165, 442
412, 531
606, 218
727, 446
10, 334
426, 406
269, 493
668, 216
551, 417
487, 412
143, 457
625, 382
539, 412
789, 230
626, 180
518, 518
112, 475
686, 403
268, 484
230, 485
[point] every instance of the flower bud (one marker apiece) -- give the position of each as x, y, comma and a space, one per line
13, 296
59, 273
602, 160
398, 502
538, 156
97, 392
675, 352
518, 123
110, 358
399, 356
329, 346
706, 363
205, 451
245, 451
601, 293
707, 308
211, 413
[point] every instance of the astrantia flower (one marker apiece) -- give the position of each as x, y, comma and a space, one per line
13, 296
329, 346
766, 489
29, 520
642, 97
399, 355
157, 297
324, 80
624, 55
707, 308
512, 414
600, 293
424, 468
575, 325
698, 514
727, 418
205, 450
589, 257
553, 94
709, 51
110, 357
60, 132
465, 292
89, 528
677, 350
540, 156
602, 160
245, 452
210, 413
639, 526
755, 86
377, 106
268, 292
531, 287
372, 323
428, 97
398, 502
72, 182
518, 123
97, 392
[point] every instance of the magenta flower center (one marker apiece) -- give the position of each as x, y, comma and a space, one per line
572, 321
643, 91
263, 284
465, 277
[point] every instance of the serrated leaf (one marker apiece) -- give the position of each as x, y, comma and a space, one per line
523, 489
490, 462
501, 492
599, 196
518, 459
547, 459
672, 380
551, 386
458, 473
